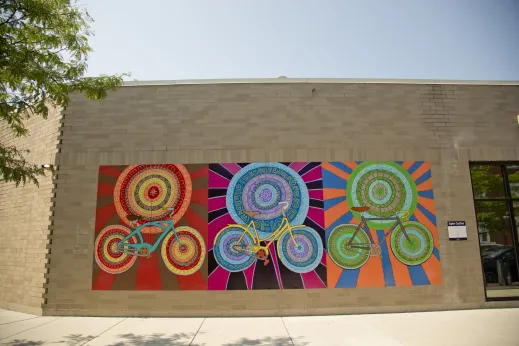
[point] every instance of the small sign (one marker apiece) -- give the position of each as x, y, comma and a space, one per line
457, 230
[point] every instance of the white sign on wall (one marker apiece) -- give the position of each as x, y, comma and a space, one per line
457, 230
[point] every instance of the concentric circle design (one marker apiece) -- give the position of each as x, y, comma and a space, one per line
148, 190
348, 257
418, 249
306, 255
261, 187
107, 254
184, 257
386, 188
266, 195
229, 254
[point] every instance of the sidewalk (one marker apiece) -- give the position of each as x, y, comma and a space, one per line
474, 327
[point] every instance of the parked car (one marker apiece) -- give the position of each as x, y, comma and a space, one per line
505, 254
488, 248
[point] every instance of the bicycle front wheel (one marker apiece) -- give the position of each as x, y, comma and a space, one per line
306, 255
417, 249
351, 256
228, 253
186, 256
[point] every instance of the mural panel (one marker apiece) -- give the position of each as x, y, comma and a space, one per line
151, 228
266, 226
380, 224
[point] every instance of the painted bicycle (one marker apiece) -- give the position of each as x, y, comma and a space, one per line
237, 247
350, 246
117, 248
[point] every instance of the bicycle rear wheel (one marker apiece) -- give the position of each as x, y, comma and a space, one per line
228, 254
108, 256
415, 251
306, 255
186, 257
353, 256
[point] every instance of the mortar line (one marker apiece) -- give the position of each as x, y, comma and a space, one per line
201, 324
291, 340
26, 330
98, 335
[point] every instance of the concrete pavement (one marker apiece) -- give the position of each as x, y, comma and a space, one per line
472, 327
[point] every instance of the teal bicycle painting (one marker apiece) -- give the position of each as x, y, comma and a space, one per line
182, 248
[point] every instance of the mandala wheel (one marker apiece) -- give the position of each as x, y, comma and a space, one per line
186, 257
385, 187
415, 251
107, 254
148, 190
229, 254
306, 255
260, 187
353, 256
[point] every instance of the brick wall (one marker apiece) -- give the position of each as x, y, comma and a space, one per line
25, 219
445, 124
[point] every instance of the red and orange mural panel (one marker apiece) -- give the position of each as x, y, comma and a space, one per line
151, 228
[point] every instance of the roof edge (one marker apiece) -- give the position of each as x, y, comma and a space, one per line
314, 81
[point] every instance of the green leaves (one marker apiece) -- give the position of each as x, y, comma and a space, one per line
13, 166
43, 58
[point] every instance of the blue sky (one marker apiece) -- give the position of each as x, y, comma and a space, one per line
415, 39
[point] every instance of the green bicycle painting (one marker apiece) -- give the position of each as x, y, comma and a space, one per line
382, 210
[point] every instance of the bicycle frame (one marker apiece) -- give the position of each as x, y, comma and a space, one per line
125, 245
364, 225
284, 227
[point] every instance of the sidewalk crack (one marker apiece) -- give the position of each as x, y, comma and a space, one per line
98, 335
291, 340
23, 331
25, 319
201, 324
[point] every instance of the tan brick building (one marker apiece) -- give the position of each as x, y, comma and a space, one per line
47, 237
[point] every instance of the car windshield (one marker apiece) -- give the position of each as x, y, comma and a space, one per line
496, 252
488, 249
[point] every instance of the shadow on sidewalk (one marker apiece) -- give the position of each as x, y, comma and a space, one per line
279, 341
72, 339
153, 339
179, 339
23, 343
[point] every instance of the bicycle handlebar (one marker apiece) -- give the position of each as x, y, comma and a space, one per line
402, 214
172, 210
285, 204
284, 208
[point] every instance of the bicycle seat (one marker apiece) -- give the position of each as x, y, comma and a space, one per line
131, 217
251, 214
360, 209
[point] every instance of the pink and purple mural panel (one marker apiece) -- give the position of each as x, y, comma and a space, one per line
266, 226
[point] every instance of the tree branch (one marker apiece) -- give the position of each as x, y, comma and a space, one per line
10, 17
